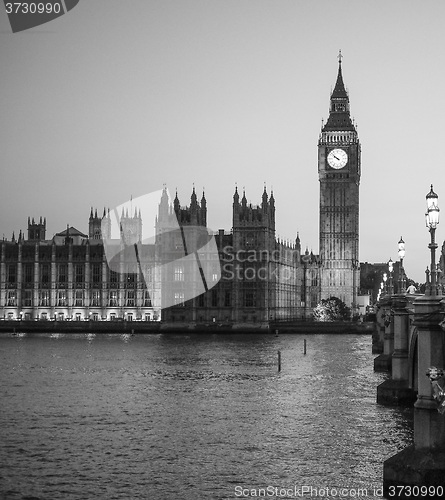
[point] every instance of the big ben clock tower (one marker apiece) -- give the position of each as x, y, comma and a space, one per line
339, 175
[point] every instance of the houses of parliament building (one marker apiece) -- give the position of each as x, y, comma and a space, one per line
249, 277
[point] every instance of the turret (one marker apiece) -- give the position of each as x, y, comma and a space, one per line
264, 203
203, 210
94, 226
36, 231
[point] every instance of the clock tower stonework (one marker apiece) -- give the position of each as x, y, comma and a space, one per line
339, 176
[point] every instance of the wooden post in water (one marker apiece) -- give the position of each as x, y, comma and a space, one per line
279, 360
304, 348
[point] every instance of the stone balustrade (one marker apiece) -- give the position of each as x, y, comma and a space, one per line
411, 330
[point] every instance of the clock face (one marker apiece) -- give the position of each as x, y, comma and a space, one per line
337, 158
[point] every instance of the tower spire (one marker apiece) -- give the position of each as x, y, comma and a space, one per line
339, 91
339, 117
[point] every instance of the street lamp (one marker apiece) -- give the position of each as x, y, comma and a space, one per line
385, 289
432, 220
390, 269
401, 252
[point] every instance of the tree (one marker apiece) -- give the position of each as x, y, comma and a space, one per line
332, 309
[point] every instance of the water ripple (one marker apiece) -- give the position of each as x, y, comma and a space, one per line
190, 417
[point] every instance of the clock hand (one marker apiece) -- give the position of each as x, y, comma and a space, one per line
338, 159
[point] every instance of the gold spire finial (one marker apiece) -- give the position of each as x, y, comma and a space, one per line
340, 56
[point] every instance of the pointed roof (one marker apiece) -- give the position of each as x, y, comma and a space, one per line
265, 197
236, 195
339, 91
194, 198
71, 231
339, 117
244, 199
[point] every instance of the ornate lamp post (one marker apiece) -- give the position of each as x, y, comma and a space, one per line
401, 252
422, 465
432, 220
385, 278
390, 269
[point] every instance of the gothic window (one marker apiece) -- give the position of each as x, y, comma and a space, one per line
61, 274
215, 273
179, 298
249, 299
11, 298
29, 273
44, 298
179, 274
130, 298
113, 299
12, 273
114, 277
61, 298
250, 240
148, 274
28, 298
147, 300
214, 298
44, 273
79, 273
96, 274
79, 298
131, 278
95, 298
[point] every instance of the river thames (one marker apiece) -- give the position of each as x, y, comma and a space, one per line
192, 417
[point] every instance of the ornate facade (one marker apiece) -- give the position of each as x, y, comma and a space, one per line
256, 279
263, 279
68, 278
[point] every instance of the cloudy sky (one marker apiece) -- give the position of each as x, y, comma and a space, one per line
117, 98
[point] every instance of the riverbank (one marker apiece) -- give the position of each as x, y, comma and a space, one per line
155, 327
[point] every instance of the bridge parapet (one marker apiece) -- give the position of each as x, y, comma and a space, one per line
398, 315
385, 328
419, 328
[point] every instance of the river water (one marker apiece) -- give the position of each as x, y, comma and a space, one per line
193, 417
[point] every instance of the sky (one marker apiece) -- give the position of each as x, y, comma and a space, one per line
117, 98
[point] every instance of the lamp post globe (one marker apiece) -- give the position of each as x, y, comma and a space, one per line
390, 269
401, 253
432, 220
